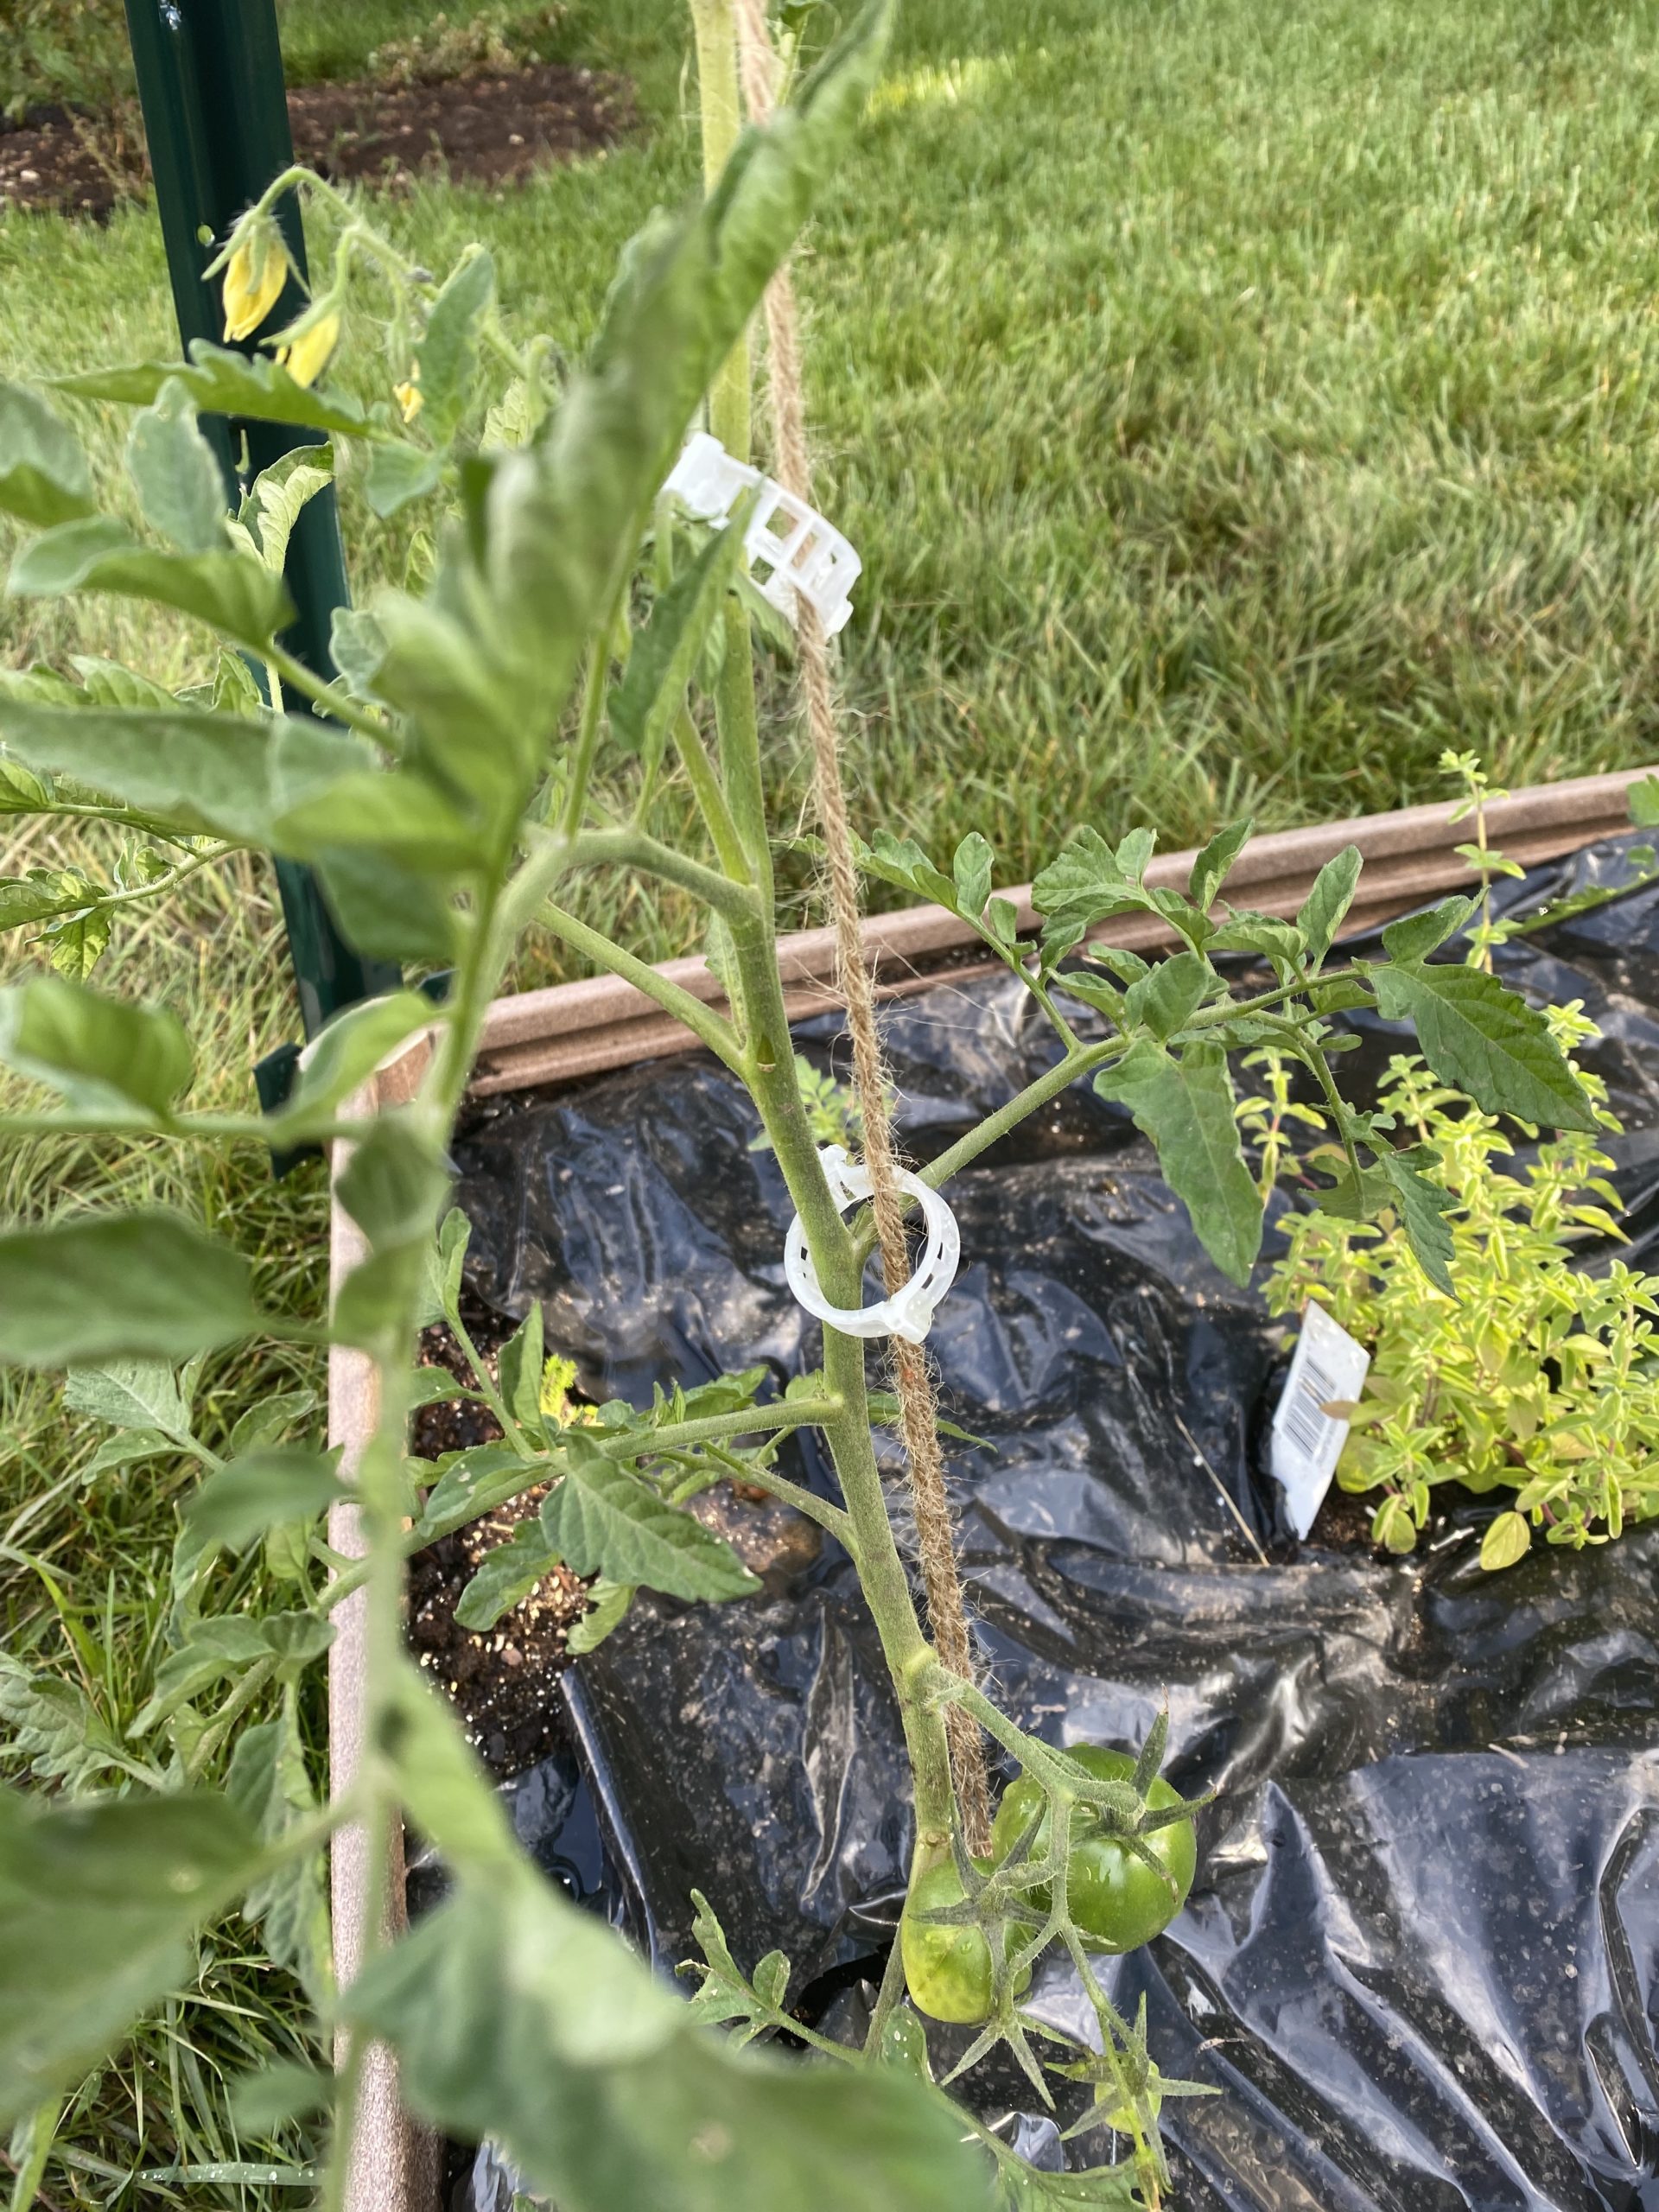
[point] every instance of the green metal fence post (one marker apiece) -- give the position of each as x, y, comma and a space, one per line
210, 82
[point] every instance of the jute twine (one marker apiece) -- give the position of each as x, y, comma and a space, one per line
913, 1376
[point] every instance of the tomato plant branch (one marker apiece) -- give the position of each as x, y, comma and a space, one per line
709, 1027
334, 702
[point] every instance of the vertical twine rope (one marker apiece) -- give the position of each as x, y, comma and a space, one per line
913, 1376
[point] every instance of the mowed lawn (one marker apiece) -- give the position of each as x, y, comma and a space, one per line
1233, 406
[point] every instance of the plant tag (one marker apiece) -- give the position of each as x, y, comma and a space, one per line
1306, 1440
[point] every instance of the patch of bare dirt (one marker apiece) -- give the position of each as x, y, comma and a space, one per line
493, 129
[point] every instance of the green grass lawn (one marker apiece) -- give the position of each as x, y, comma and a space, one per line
1233, 407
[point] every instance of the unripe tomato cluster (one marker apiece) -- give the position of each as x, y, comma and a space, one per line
1117, 1902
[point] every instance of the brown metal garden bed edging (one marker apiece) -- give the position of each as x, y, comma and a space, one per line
535, 1039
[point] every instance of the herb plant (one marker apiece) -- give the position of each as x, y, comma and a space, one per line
498, 729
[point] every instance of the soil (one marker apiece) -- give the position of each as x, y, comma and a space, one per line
495, 131
500, 1682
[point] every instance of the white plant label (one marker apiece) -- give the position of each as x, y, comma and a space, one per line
1307, 1441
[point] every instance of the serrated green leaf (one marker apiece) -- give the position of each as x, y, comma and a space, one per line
602, 1520
1482, 1038
1643, 797
520, 1369
106, 683
399, 474
901, 860
384, 908
517, 2016
664, 654
220, 773
96, 1902
505, 1576
268, 1783
971, 868
1423, 1206
100, 1286
1002, 919
223, 382
1325, 907
141, 1394
357, 647
1169, 994
268, 1418
447, 353
1413, 937
1280, 942
608, 1608
342, 1058
109, 1056
226, 1644
76, 943
1214, 864
38, 897
44, 479
51, 1723
264, 1490
1185, 1106
180, 487
228, 591
278, 496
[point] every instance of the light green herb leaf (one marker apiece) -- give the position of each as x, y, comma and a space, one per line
1413, 937
265, 1490
1508, 1539
1325, 907
43, 474
1479, 1036
223, 382
1185, 1107
98, 1288
96, 1902
109, 1056
180, 487
506, 1576
1214, 864
229, 591
602, 1520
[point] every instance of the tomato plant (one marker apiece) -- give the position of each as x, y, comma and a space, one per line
498, 729
1124, 1884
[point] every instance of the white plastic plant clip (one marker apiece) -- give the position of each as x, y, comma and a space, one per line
909, 1312
790, 550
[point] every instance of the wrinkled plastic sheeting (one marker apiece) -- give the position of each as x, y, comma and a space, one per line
1420, 1961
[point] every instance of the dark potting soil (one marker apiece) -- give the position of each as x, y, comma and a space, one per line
1421, 1960
494, 131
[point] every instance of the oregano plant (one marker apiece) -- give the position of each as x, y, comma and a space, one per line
500, 729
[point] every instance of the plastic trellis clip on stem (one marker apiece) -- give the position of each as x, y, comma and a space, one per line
790, 550
909, 1312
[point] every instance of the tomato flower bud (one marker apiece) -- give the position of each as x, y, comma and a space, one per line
408, 394
309, 344
254, 278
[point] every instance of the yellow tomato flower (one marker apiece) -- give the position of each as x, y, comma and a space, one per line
306, 354
408, 394
253, 281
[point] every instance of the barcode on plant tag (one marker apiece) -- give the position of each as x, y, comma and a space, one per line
1328, 1366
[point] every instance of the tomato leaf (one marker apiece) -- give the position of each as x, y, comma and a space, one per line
1482, 1038
1423, 1205
223, 382
602, 1520
1185, 1106
1325, 907
1214, 864
44, 479
102, 1286
506, 1576
180, 486
1413, 937
342, 1058
96, 1902
268, 1783
1168, 996
228, 591
266, 1490
104, 1056
447, 353
664, 654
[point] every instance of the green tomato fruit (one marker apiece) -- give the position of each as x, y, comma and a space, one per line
1117, 1901
947, 1969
